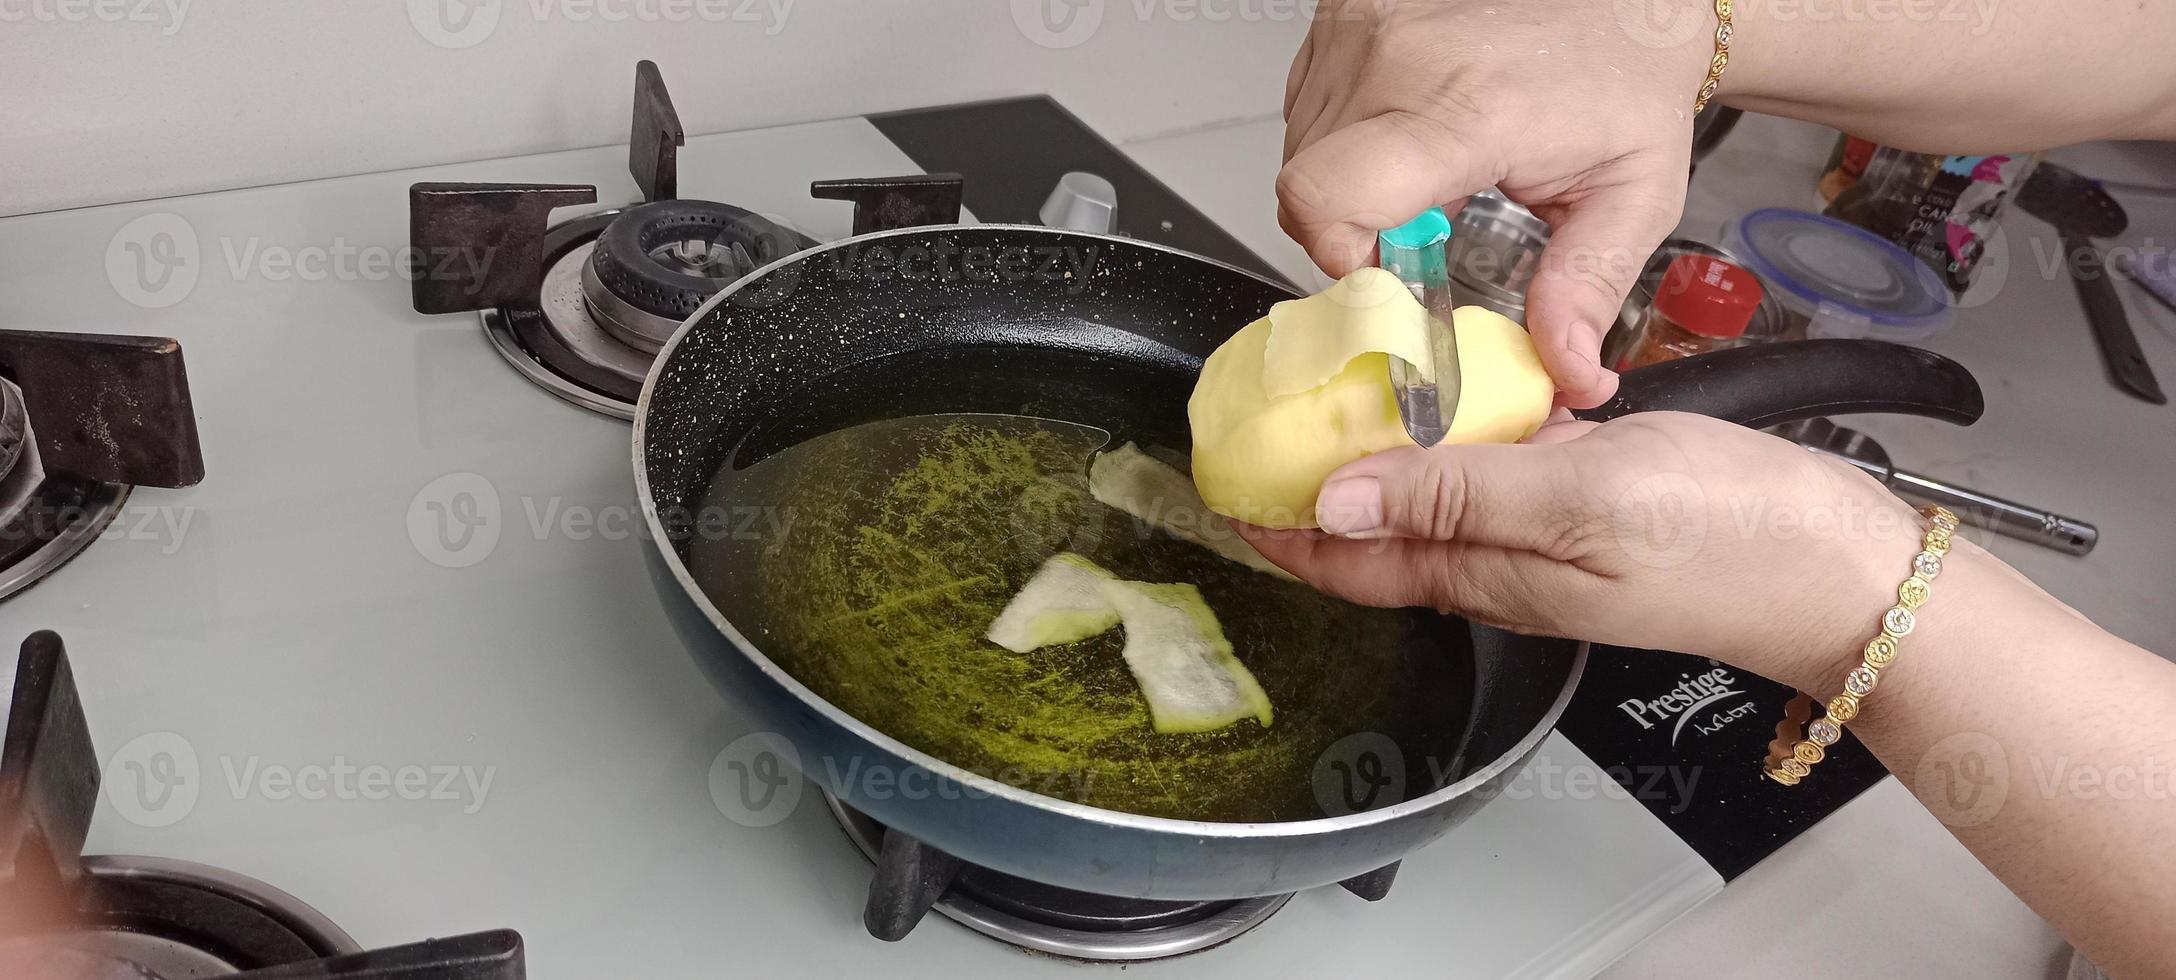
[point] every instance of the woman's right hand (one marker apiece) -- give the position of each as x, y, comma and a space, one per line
1657, 530
1574, 108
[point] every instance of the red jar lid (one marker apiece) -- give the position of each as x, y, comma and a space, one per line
1708, 296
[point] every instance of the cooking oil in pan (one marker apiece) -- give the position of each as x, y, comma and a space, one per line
894, 545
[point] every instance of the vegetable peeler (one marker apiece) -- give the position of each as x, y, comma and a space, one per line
1418, 253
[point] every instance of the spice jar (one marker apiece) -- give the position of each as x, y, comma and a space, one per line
1703, 304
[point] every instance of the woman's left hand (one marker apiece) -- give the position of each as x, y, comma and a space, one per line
1659, 530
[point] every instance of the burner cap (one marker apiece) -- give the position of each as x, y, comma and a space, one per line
656, 263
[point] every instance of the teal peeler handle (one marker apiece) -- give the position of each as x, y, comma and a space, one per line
1418, 253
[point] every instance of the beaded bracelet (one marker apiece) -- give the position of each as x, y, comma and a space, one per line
1723, 31
1788, 762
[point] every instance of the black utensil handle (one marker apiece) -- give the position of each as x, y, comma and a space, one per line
1770, 384
2127, 365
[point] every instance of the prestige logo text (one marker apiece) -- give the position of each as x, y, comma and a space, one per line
1692, 702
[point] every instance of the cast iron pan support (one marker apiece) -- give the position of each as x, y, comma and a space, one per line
477, 246
910, 877
1374, 885
48, 788
888, 203
655, 138
107, 408
494, 955
49, 778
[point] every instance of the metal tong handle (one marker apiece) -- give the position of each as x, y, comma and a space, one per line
2004, 517
1982, 510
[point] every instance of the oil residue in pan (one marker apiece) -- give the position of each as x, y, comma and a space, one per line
894, 544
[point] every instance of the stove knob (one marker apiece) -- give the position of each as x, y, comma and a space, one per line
1082, 202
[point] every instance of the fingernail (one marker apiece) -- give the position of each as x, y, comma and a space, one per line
1350, 506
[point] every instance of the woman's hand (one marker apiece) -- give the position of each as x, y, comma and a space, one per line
1658, 530
1393, 107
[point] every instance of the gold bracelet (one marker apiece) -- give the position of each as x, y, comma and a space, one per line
1723, 31
1788, 762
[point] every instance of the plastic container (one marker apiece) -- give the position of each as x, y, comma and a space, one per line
1703, 304
1835, 279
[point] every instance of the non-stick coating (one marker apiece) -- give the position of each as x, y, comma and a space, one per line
779, 336
784, 337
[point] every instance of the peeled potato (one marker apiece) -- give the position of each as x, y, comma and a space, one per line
1261, 458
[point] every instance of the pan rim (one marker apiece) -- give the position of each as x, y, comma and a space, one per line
1514, 755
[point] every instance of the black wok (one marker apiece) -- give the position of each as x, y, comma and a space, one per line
1111, 332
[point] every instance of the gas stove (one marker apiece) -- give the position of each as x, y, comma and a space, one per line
398, 632
67, 916
82, 421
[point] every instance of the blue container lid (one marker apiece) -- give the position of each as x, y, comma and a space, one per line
1847, 281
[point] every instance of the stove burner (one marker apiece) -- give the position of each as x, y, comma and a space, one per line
171, 919
43, 522
14, 426
1031, 915
46, 521
656, 263
705, 259
83, 418
560, 341
568, 316
586, 320
69, 917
